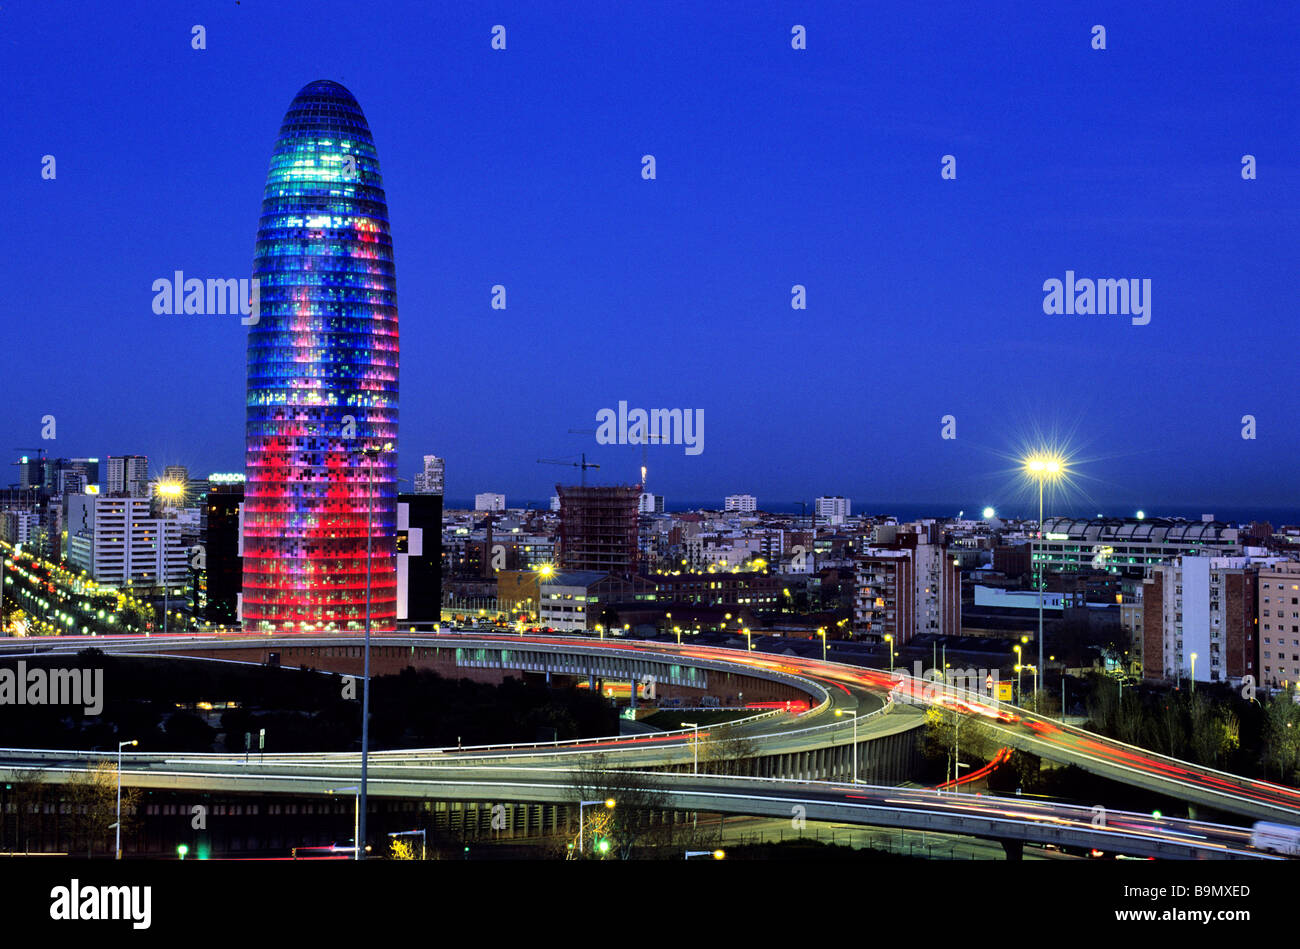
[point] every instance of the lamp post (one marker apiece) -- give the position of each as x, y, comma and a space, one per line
889, 638
1193, 673
1019, 659
715, 854
696, 743
118, 825
356, 818
608, 802
838, 713
749, 639
371, 452
821, 631
424, 849
1041, 467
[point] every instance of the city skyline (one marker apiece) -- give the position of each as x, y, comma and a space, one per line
924, 295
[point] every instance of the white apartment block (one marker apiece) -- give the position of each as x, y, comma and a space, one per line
117, 539
489, 501
431, 479
832, 510
740, 503
650, 504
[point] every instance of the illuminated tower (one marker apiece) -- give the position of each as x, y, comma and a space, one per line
322, 379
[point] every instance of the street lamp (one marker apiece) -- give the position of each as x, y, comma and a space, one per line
889, 638
1041, 467
749, 639
608, 802
372, 452
118, 825
356, 818
838, 713
696, 743
715, 854
424, 850
1193, 673
821, 631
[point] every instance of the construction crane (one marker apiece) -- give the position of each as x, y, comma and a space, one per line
644, 441
584, 465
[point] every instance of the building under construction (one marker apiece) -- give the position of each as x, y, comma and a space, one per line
598, 528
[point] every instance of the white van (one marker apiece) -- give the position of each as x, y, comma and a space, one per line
1276, 838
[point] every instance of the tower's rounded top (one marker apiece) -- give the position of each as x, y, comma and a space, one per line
326, 89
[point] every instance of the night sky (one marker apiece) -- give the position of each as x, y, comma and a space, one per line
775, 167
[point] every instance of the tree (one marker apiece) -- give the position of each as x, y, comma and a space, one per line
28, 789
400, 849
727, 752
948, 732
93, 795
637, 796
1282, 733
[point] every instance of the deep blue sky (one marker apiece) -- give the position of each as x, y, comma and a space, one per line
775, 167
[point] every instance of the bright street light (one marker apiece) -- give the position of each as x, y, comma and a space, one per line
1042, 467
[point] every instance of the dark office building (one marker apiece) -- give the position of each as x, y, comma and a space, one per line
419, 559
219, 567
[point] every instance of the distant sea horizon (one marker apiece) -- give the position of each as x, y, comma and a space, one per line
911, 511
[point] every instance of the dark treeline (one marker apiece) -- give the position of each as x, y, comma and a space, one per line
155, 701
1216, 725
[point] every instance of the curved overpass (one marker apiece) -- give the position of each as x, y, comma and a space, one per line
1007, 819
795, 737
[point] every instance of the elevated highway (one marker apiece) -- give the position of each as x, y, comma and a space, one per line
800, 756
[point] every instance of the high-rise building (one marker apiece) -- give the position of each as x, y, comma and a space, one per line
1279, 626
322, 380
419, 558
832, 510
907, 586
1205, 605
741, 503
598, 528
176, 474
489, 501
220, 568
430, 480
650, 504
118, 539
127, 476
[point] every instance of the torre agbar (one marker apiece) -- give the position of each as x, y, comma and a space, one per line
322, 380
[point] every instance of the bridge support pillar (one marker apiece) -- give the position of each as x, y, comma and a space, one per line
1015, 849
